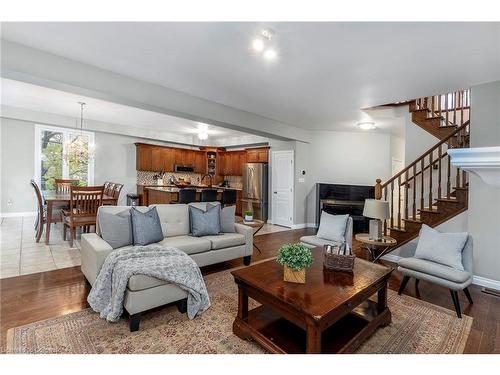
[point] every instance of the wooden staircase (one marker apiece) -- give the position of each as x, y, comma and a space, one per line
430, 190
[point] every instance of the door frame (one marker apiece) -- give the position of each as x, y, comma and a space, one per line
292, 195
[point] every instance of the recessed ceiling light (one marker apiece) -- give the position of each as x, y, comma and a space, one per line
270, 54
258, 44
367, 125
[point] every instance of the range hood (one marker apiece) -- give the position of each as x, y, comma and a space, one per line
482, 161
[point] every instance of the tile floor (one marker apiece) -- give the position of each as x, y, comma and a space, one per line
21, 255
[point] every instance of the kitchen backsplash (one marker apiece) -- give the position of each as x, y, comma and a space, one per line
146, 177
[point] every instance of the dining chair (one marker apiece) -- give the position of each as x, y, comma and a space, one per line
208, 195
41, 215
84, 202
63, 186
106, 187
115, 193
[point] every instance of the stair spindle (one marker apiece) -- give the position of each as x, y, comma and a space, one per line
440, 155
447, 109
385, 221
430, 179
414, 208
422, 203
392, 204
455, 108
399, 202
406, 194
440, 98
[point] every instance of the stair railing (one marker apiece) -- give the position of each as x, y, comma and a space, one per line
452, 108
430, 176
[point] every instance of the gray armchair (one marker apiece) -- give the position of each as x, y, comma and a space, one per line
453, 279
314, 241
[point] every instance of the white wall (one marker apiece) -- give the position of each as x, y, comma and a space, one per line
484, 200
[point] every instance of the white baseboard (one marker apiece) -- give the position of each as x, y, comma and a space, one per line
18, 214
487, 283
476, 280
304, 225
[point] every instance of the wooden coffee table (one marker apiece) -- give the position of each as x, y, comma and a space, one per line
331, 313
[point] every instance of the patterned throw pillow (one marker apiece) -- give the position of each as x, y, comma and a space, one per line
204, 223
146, 226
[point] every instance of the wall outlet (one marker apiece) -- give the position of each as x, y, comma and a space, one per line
9, 202
302, 179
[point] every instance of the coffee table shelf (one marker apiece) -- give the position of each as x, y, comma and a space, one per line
278, 335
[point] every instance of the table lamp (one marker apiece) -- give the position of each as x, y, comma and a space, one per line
377, 210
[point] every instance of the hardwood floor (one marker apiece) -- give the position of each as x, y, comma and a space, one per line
30, 298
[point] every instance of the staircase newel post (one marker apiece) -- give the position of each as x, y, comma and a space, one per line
378, 189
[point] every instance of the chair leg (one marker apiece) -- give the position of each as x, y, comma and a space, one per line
467, 294
72, 235
39, 230
64, 232
403, 284
456, 302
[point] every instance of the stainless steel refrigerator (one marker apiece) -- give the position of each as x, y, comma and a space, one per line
255, 190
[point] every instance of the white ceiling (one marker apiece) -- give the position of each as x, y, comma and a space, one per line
324, 74
41, 99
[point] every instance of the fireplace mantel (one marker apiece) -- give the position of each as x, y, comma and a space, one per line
482, 161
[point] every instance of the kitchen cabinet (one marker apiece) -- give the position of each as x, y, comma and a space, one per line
257, 155
231, 162
144, 156
200, 162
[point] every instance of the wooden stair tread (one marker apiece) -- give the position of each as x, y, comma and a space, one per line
430, 210
415, 221
397, 229
461, 188
451, 200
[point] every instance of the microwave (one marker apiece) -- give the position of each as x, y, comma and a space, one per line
183, 168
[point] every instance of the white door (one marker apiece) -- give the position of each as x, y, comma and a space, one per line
282, 187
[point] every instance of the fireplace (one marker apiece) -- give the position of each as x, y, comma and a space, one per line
339, 199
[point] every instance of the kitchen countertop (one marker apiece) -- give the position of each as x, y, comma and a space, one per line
175, 189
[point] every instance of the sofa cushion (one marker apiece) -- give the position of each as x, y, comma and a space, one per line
316, 241
114, 210
174, 219
141, 282
146, 226
204, 223
443, 248
434, 269
188, 244
332, 227
224, 240
116, 229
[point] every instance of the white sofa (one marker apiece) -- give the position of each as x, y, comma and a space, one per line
144, 292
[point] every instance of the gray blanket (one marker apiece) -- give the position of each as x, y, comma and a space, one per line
165, 263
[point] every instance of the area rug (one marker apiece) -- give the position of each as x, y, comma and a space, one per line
417, 327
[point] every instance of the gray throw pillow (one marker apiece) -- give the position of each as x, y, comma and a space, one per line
116, 229
146, 226
227, 218
332, 227
442, 248
204, 223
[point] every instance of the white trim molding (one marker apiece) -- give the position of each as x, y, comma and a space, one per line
482, 161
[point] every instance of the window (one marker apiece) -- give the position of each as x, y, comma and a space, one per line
63, 153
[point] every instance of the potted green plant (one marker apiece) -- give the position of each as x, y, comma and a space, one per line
295, 258
248, 215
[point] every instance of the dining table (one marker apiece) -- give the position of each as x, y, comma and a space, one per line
53, 198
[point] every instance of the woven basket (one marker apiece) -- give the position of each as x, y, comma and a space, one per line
339, 262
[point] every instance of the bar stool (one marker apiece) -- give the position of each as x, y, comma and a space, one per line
228, 197
187, 196
208, 195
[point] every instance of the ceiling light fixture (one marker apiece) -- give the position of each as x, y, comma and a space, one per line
270, 54
367, 125
202, 132
258, 45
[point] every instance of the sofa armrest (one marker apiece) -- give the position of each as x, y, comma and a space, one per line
94, 251
248, 233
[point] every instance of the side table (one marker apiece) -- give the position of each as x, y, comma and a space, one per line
255, 224
386, 244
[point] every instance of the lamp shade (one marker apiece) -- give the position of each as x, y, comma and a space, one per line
376, 209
